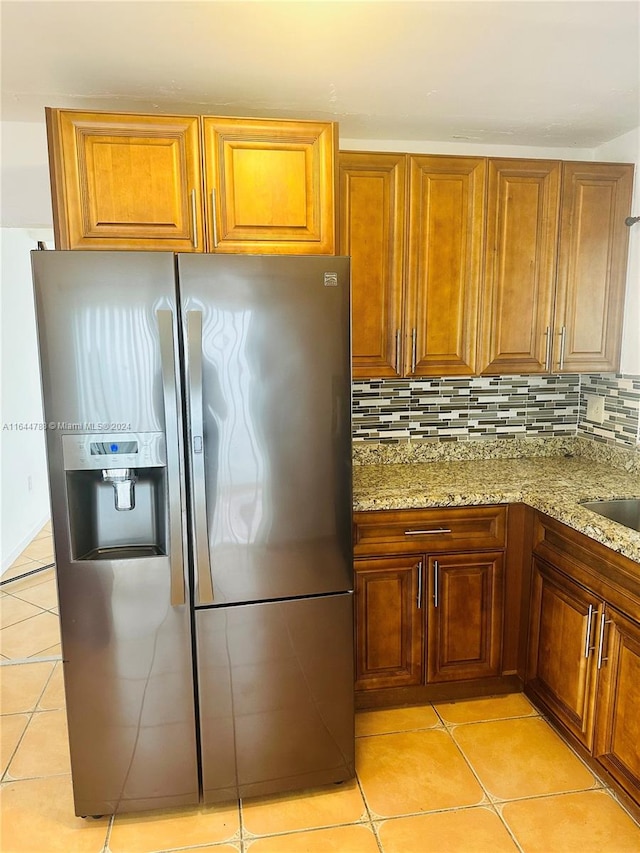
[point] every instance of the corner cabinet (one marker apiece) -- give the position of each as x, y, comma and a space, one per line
429, 596
555, 267
583, 664
191, 183
413, 226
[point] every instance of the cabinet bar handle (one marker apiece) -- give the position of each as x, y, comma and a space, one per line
563, 341
603, 621
194, 220
414, 346
436, 568
419, 567
214, 218
547, 360
587, 647
427, 532
398, 342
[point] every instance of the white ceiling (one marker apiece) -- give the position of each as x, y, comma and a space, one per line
512, 72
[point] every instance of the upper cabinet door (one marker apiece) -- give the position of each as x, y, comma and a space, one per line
446, 227
520, 265
372, 231
125, 181
592, 263
270, 185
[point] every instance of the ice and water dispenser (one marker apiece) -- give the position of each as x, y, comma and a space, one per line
116, 491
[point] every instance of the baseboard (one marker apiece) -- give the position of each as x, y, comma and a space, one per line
19, 548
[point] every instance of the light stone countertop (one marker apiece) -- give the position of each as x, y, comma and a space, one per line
555, 485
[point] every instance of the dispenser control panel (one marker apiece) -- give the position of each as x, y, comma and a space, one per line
128, 450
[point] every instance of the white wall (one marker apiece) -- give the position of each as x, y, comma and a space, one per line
626, 149
24, 176
24, 497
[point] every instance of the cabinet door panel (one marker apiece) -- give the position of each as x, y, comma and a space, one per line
558, 669
389, 634
372, 227
617, 738
269, 186
446, 228
518, 289
125, 181
592, 260
465, 616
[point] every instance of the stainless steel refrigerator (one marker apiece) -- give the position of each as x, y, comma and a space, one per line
199, 450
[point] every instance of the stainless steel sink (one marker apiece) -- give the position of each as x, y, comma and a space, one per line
625, 511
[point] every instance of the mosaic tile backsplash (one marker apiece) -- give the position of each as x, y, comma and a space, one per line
509, 407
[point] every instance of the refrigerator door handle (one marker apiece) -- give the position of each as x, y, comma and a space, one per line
170, 397
204, 584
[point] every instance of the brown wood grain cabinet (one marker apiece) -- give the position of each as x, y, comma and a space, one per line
429, 596
555, 266
390, 640
125, 181
269, 185
191, 183
414, 227
560, 670
464, 616
372, 232
446, 235
584, 648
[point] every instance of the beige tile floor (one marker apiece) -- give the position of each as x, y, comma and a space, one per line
481, 776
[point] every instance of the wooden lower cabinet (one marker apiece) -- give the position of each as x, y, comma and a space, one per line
429, 617
464, 616
617, 735
389, 641
583, 665
560, 666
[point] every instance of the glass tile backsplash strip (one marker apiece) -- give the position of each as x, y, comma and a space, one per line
465, 408
621, 422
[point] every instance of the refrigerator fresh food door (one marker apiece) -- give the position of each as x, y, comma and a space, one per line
268, 385
276, 696
107, 324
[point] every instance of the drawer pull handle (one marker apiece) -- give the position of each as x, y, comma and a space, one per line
426, 532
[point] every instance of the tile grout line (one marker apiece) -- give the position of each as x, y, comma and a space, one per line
3, 778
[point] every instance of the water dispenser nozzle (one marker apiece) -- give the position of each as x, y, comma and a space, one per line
122, 480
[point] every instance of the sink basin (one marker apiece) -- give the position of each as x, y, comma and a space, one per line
625, 511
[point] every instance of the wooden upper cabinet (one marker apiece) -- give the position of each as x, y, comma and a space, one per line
520, 265
372, 232
125, 181
269, 185
446, 230
596, 199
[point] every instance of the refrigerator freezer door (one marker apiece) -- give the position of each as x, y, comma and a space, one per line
276, 696
275, 408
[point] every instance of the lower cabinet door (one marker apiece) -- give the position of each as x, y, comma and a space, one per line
618, 700
389, 634
464, 616
562, 641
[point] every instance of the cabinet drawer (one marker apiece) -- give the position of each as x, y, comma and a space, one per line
429, 530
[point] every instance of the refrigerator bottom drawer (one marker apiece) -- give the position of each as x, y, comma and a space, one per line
275, 684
